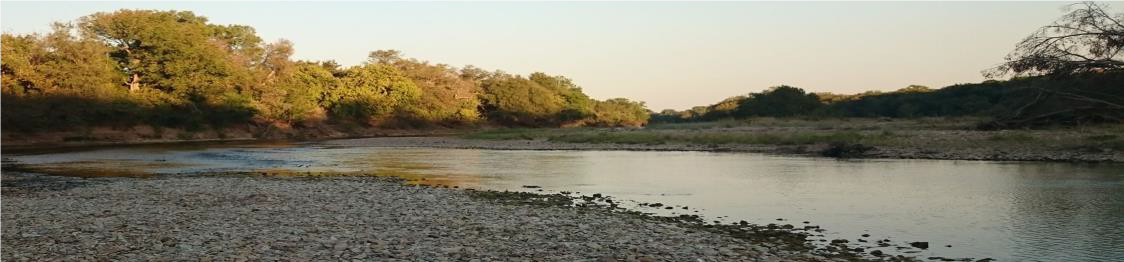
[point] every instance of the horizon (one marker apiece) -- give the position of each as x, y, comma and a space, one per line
624, 49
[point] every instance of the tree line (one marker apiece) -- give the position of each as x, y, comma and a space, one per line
175, 69
1068, 72
993, 99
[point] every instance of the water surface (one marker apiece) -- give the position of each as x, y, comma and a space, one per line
1006, 210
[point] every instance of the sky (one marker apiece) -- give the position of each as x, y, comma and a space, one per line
668, 54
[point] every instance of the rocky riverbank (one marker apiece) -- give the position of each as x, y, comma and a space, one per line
848, 138
240, 217
137, 135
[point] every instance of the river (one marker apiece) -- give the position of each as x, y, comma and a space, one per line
978, 209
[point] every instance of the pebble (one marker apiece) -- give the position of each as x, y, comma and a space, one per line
211, 218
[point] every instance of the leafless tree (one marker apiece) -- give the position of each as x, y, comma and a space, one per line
1086, 40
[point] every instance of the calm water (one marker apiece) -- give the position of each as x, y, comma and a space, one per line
1003, 210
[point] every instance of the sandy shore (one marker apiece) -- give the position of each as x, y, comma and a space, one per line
237, 218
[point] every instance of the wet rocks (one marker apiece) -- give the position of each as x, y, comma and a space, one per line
921, 245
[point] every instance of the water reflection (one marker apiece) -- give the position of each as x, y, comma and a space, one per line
1014, 211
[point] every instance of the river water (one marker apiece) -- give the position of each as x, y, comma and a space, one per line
1020, 211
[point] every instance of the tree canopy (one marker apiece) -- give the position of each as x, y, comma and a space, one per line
176, 69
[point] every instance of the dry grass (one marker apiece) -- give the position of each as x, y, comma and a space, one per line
922, 133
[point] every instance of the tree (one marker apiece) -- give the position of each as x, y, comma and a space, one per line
516, 100
723, 109
620, 112
475, 74
19, 62
298, 96
372, 93
59, 81
779, 101
446, 97
666, 116
1087, 39
173, 51
914, 89
577, 105
175, 69
242, 42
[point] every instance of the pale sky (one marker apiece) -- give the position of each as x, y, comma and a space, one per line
668, 54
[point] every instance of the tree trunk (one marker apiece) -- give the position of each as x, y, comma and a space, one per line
134, 85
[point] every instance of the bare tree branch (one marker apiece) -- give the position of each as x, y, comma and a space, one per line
1087, 39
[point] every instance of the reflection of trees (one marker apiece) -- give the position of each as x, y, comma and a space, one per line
413, 165
472, 168
541, 168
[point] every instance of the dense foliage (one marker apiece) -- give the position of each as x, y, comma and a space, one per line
174, 69
991, 98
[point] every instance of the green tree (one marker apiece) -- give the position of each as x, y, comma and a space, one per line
23, 57
59, 81
446, 97
172, 51
780, 101
914, 89
577, 105
373, 93
517, 100
298, 96
723, 109
620, 112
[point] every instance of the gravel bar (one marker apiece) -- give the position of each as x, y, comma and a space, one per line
239, 218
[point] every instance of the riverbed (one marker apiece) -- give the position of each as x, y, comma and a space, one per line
962, 209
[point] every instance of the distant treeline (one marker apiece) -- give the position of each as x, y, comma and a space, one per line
995, 99
1068, 72
174, 69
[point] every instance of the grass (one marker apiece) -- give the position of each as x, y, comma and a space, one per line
512, 133
1011, 137
1102, 138
655, 137
1109, 141
728, 123
641, 137
757, 131
926, 134
933, 123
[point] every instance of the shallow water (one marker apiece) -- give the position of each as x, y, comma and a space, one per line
1005, 210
